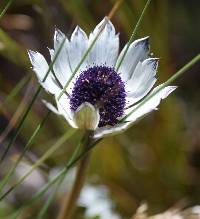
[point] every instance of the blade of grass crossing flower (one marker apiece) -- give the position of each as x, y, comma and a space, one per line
133, 34
44, 209
5, 8
58, 82
110, 15
83, 58
18, 128
54, 59
51, 150
26, 147
64, 89
168, 82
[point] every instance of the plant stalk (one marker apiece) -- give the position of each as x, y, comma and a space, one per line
69, 203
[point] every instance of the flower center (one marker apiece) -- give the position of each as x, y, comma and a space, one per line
102, 87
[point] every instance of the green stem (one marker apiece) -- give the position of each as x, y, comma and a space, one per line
51, 197
69, 203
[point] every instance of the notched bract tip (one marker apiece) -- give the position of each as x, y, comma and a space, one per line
87, 116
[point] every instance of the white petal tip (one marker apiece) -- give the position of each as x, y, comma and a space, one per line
78, 33
108, 25
106, 19
50, 107
153, 62
168, 90
159, 93
51, 52
35, 56
31, 55
58, 35
143, 42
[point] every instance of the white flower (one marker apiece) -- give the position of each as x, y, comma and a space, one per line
101, 206
100, 97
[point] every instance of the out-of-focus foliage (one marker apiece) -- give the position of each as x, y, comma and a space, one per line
157, 160
173, 213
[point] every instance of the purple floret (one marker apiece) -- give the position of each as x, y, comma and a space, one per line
102, 87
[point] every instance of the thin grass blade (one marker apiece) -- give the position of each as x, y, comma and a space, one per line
110, 15
82, 59
133, 33
26, 147
74, 159
5, 8
16, 90
21, 122
18, 112
51, 150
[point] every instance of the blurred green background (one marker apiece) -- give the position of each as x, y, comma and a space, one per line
158, 159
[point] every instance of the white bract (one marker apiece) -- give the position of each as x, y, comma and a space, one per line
137, 71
